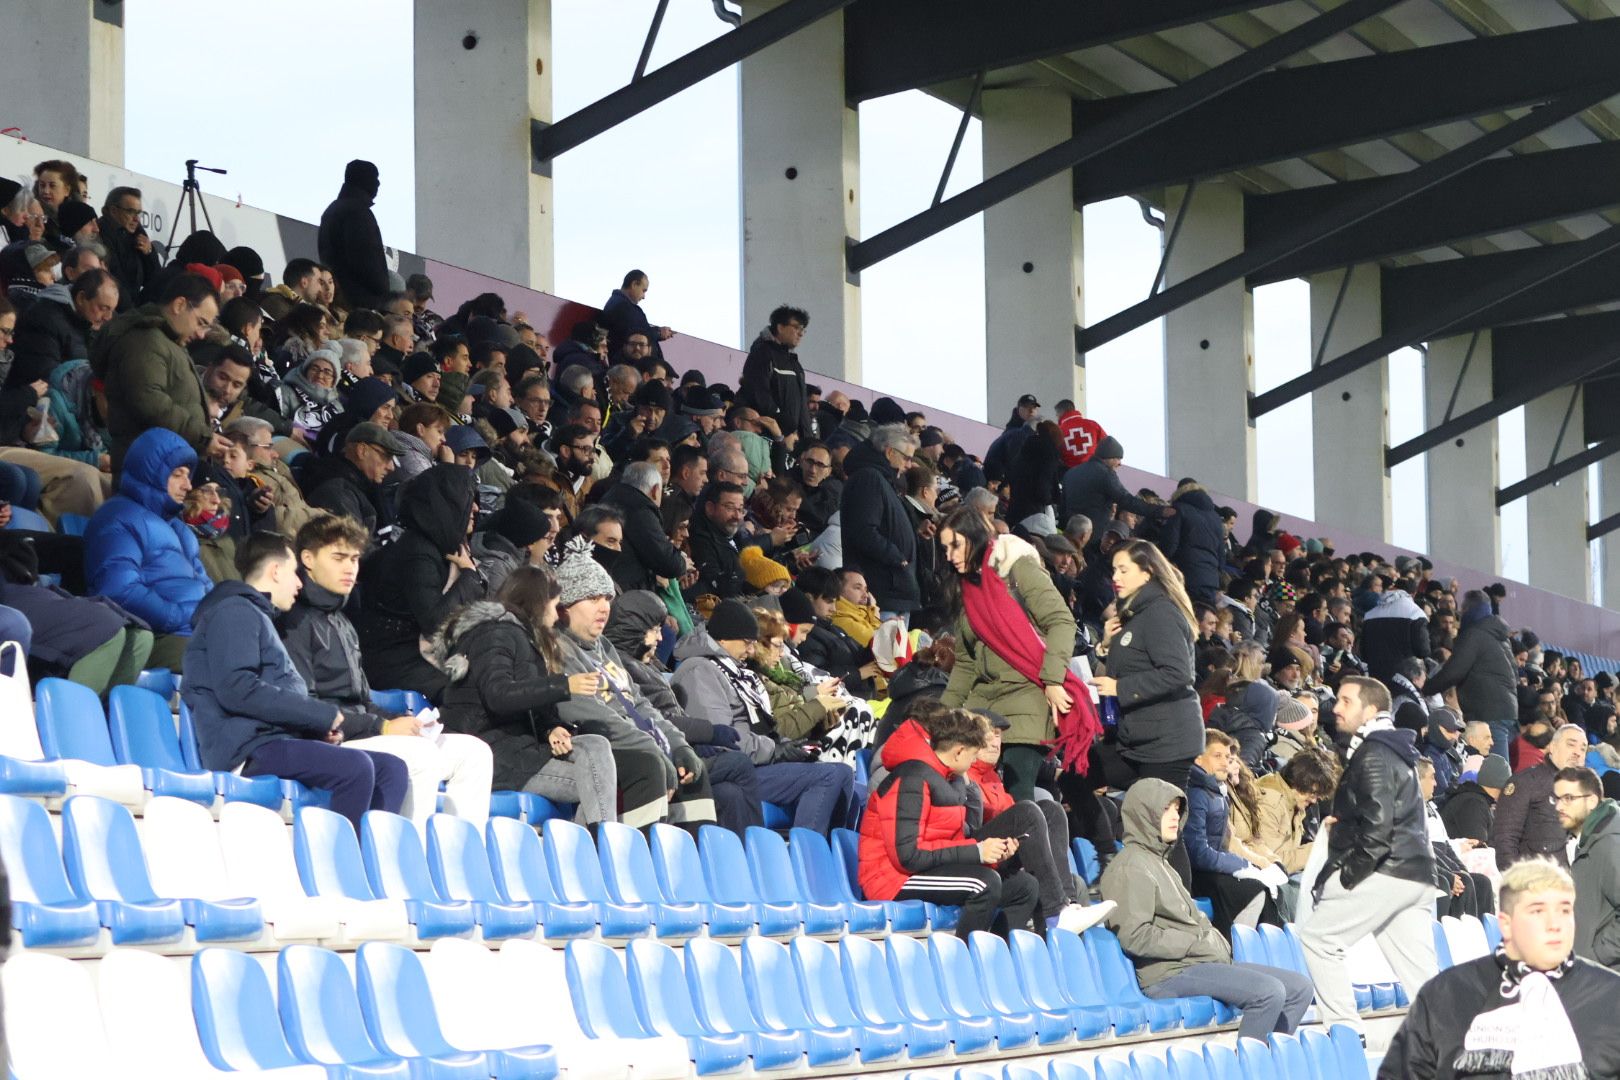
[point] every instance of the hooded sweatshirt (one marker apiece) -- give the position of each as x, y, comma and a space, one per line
710, 684
1394, 630
1596, 869
919, 818
1159, 926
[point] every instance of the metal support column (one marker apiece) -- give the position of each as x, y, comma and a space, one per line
1464, 522
1350, 420
1559, 556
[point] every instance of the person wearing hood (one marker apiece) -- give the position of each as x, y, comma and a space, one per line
150, 379
253, 711
916, 834
350, 483
139, 554
635, 627
1526, 822
1394, 630
878, 538
1593, 824
517, 535
350, 241
1442, 745
1482, 670
1195, 541
1093, 487
713, 681
324, 648
1177, 952
1536, 1007
621, 712
1379, 874
414, 583
773, 379
1003, 451
309, 394
422, 429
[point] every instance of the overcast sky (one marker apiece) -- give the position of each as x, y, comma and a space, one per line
661, 192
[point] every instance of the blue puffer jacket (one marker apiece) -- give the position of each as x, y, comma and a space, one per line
137, 551
1206, 828
241, 686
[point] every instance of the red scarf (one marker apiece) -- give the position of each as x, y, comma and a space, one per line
1005, 627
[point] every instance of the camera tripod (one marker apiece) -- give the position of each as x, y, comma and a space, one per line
190, 202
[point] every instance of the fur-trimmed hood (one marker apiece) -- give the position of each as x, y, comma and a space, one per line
442, 653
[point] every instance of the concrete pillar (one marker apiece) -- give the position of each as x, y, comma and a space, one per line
1464, 523
1209, 348
1350, 416
1032, 259
1609, 496
800, 165
1558, 550
63, 76
478, 203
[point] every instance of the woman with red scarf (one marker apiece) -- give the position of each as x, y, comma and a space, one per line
1014, 636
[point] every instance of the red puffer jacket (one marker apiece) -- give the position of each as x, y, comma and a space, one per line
917, 819
991, 789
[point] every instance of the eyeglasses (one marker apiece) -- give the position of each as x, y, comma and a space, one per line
812, 463
262, 446
7, 333
1568, 800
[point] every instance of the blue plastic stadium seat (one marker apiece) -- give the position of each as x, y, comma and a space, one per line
44, 909
772, 993
999, 976
1223, 1062
519, 868
1115, 1069
679, 872
1288, 1055
271, 792
723, 1005
772, 871
1351, 1053
1067, 1070
105, 864
235, 1013
1493, 931
627, 871
537, 809
1117, 976
320, 1014
1247, 948
396, 868
1184, 1063
912, 975
1320, 1052
390, 702
1060, 974
398, 1009
663, 1006
1020, 1072
1085, 855
576, 874
1257, 1061
965, 995
506, 804
143, 734
460, 872
905, 916
725, 868
821, 881
1148, 1066
875, 1002
603, 1002
1442, 949
776, 817
161, 681
826, 999
40, 779
72, 726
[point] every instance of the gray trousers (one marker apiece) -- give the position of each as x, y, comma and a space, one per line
587, 777
1399, 914
1272, 999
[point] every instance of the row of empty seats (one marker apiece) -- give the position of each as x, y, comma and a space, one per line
184, 879
463, 1009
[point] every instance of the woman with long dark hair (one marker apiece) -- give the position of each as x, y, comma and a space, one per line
1014, 636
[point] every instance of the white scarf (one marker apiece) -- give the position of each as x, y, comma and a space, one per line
1381, 722
1530, 1035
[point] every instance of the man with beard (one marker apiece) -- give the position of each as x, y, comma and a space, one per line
714, 543
1526, 823
575, 448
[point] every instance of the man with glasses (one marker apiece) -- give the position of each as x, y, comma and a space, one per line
879, 540
773, 380
130, 257
1594, 827
822, 491
268, 472
1526, 824
575, 447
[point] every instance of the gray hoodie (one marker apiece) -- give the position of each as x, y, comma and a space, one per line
706, 684
607, 714
1159, 926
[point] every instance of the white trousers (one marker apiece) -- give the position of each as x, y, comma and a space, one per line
463, 764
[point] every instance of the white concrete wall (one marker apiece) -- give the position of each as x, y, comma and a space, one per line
1463, 473
1350, 416
62, 80
1559, 559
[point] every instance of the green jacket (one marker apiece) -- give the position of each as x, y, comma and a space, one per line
150, 382
1159, 926
1596, 870
796, 717
983, 680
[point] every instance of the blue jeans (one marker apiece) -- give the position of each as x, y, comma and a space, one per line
359, 780
1502, 735
1272, 999
820, 794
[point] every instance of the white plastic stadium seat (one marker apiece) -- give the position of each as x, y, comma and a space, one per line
53, 1023
1466, 938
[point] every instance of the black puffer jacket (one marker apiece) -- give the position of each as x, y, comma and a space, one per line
325, 649
500, 690
1036, 474
1194, 540
773, 383
1152, 658
878, 537
647, 550
350, 242
49, 333
1431, 1037
1381, 826
1481, 668
839, 655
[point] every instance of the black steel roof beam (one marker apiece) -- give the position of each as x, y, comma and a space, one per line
1499, 195
1353, 211
546, 141
894, 45
1317, 107
1554, 473
1602, 528
1410, 293
1127, 125
1443, 319
1529, 361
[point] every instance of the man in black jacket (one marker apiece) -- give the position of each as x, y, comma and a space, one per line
1526, 823
351, 484
647, 553
1092, 487
1471, 810
1481, 668
773, 379
1194, 540
57, 326
1533, 1009
879, 540
350, 240
130, 255
1379, 876
715, 541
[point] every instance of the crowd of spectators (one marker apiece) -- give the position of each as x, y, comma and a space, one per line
660, 598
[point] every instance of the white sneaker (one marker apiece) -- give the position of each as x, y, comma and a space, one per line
1077, 919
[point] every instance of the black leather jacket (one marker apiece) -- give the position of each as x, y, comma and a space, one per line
1381, 826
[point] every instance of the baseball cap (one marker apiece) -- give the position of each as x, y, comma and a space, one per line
997, 721
376, 435
1029, 400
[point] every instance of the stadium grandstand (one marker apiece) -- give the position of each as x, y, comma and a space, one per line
407, 671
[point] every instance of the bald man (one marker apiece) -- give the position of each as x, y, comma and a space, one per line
1526, 822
